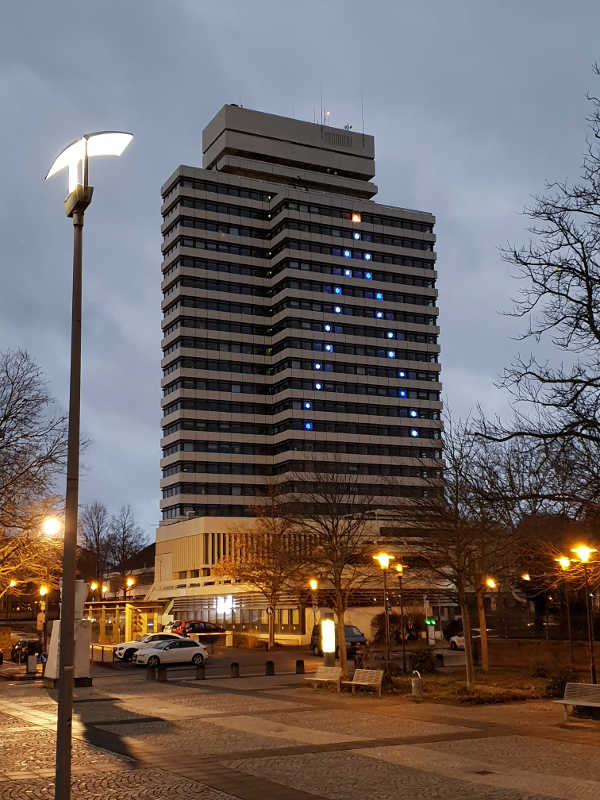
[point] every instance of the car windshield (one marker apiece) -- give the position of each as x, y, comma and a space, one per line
160, 645
350, 629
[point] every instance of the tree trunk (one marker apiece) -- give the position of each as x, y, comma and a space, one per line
341, 639
271, 643
466, 621
485, 659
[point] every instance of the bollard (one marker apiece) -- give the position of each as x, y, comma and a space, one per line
300, 666
161, 674
235, 669
200, 672
416, 685
150, 673
269, 668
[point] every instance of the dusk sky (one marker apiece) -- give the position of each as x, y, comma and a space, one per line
472, 105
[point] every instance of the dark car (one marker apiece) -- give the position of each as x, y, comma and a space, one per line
352, 636
23, 648
205, 629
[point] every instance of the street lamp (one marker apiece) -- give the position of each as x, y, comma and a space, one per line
11, 585
130, 583
564, 564
104, 590
43, 593
75, 158
314, 585
583, 553
93, 589
400, 572
51, 526
383, 559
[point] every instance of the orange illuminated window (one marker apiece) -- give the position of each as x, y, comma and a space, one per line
356, 216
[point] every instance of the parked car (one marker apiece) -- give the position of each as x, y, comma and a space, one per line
23, 648
125, 650
176, 651
458, 642
205, 629
352, 635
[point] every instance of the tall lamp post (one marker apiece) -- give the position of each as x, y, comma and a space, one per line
43, 593
583, 553
383, 559
75, 159
314, 585
400, 572
564, 564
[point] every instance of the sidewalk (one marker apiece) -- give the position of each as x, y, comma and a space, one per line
9, 671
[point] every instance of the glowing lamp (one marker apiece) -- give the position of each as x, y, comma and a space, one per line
413, 413
368, 275
12, 584
379, 314
347, 253
490, 583
104, 588
525, 576
414, 432
328, 636
337, 289
130, 582
390, 334
356, 217
402, 393
379, 295
51, 526
318, 386
314, 584
93, 586
368, 257
356, 235
308, 426
75, 155
583, 553
391, 354
401, 373
307, 405
327, 327
43, 591
316, 365
348, 273
564, 562
329, 348
337, 309
383, 559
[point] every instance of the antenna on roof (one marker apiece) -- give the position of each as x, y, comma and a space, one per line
321, 102
362, 113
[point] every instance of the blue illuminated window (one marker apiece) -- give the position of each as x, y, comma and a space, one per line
316, 365
390, 334
414, 432
337, 309
368, 275
327, 327
401, 373
347, 253
379, 295
337, 289
391, 354
329, 348
356, 235
348, 273
379, 314
413, 413
368, 256
308, 426
318, 386
402, 393
307, 405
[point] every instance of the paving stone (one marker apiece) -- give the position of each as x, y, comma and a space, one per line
146, 784
348, 776
34, 750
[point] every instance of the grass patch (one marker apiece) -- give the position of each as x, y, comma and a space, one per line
497, 686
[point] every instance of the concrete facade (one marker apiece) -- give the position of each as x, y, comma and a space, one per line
299, 331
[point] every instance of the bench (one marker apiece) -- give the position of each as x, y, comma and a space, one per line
580, 694
370, 678
326, 675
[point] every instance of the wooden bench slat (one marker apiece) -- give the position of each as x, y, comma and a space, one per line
580, 694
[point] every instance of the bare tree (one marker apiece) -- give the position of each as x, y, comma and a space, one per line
95, 533
27, 555
268, 555
332, 511
126, 539
32, 441
560, 268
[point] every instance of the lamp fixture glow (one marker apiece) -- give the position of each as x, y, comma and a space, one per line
314, 584
383, 559
337, 309
356, 217
379, 314
318, 386
130, 582
12, 584
93, 586
327, 327
51, 526
347, 253
356, 235
490, 583
43, 591
583, 553
101, 143
563, 562
400, 568
525, 576
104, 588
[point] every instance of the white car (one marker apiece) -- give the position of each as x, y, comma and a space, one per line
176, 651
125, 650
458, 642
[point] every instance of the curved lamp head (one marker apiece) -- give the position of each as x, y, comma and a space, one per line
75, 155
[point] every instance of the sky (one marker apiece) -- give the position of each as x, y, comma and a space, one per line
473, 105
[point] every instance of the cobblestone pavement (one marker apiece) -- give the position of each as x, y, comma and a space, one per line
263, 739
